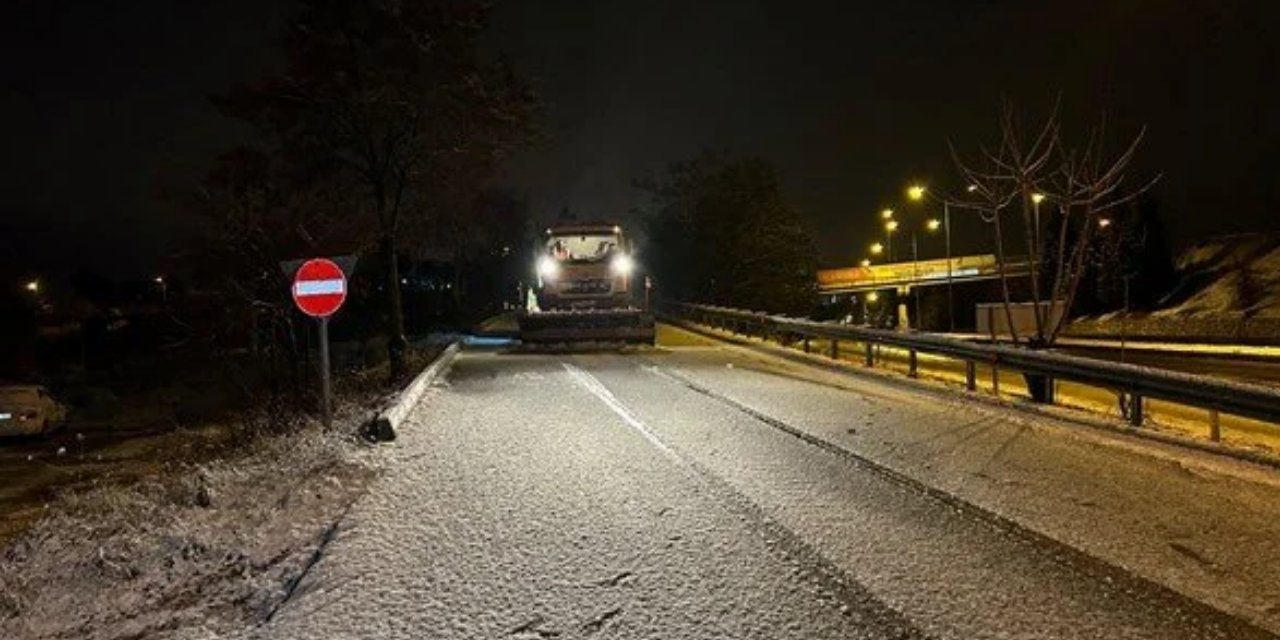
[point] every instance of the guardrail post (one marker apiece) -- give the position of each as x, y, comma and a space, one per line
912, 363
995, 377
835, 348
1135, 410
807, 349
1215, 426
970, 375
871, 354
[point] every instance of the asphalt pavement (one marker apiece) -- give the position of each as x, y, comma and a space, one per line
698, 491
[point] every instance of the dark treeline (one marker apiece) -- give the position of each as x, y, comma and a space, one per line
720, 232
376, 139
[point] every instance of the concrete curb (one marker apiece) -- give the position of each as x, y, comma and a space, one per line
383, 426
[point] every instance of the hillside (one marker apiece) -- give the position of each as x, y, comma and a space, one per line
1235, 277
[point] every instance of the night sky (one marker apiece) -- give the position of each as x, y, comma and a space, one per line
108, 124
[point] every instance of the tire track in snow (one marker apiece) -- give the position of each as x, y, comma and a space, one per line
854, 598
1051, 548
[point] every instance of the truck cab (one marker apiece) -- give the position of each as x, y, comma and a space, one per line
584, 266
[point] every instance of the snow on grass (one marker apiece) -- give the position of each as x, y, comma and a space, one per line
194, 552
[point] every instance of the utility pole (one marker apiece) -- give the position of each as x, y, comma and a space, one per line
915, 276
951, 297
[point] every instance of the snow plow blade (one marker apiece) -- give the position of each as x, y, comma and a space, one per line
630, 326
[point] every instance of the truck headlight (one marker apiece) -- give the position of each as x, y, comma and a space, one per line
622, 265
548, 268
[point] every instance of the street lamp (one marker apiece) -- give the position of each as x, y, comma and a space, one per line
931, 225
877, 249
1103, 223
889, 228
866, 262
33, 286
918, 193
886, 214
1036, 199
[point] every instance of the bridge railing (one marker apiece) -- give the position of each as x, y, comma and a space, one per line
1212, 394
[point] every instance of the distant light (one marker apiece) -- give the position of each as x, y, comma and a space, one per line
877, 249
159, 280
1104, 222
1037, 197
891, 226
33, 286
873, 296
886, 214
866, 262
617, 229
971, 188
933, 224
915, 192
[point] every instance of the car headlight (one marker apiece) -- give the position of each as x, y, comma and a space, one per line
622, 265
548, 267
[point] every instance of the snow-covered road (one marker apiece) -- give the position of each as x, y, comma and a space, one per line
704, 493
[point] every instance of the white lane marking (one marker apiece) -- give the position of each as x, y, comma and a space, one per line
319, 287
597, 388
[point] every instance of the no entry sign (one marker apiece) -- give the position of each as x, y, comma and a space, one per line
319, 287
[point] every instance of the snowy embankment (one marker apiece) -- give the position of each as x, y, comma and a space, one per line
1229, 291
193, 552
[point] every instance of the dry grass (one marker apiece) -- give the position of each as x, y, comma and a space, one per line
193, 551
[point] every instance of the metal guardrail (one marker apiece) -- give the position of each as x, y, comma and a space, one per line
1212, 394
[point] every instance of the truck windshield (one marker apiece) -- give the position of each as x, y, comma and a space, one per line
582, 248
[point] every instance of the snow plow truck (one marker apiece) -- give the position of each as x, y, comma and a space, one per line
586, 289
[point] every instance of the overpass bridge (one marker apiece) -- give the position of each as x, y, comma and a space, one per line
920, 273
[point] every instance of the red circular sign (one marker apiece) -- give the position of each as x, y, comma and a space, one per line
319, 287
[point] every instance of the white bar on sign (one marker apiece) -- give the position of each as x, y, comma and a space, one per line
319, 287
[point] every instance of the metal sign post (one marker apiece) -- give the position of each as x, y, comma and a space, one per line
326, 384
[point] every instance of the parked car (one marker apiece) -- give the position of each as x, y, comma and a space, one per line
28, 409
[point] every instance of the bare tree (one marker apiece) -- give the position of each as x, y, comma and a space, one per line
1079, 186
398, 96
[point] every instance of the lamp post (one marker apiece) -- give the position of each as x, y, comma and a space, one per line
1036, 199
915, 275
917, 193
889, 226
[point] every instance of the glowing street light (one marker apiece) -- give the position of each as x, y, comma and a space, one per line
915, 192
1103, 223
33, 286
1037, 197
877, 249
933, 224
887, 214
971, 188
866, 262
873, 296
891, 226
